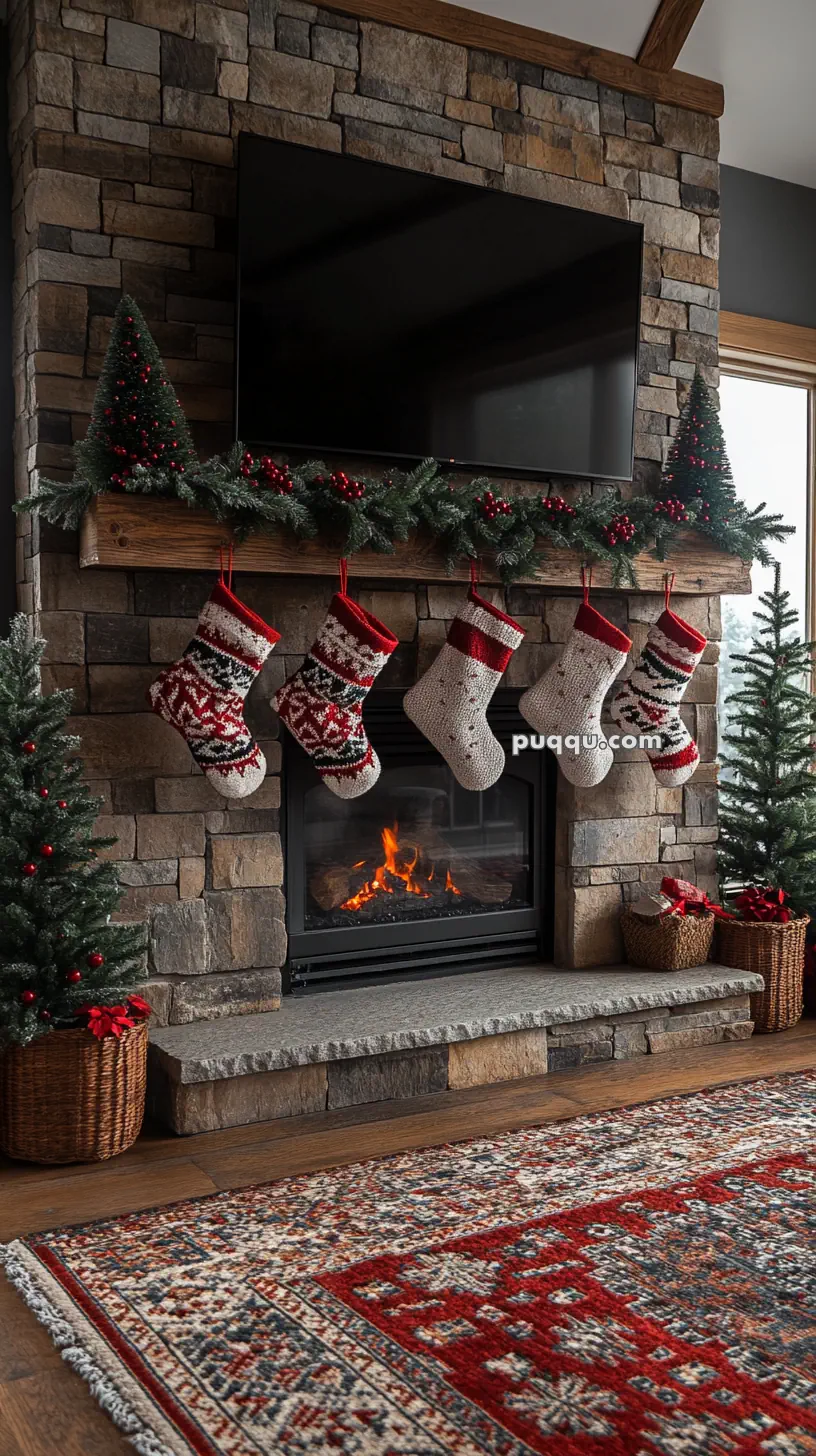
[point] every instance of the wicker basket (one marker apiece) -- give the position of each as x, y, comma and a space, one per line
777, 952
668, 942
71, 1097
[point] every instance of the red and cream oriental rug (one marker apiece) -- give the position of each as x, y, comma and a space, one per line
636, 1283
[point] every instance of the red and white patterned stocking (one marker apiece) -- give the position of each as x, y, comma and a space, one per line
321, 704
202, 695
648, 702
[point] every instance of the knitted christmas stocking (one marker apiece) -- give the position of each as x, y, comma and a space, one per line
568, 698
202, 695
648, 701
321, 704
449, 701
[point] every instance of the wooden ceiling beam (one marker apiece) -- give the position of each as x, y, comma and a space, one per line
668, 33
522, 42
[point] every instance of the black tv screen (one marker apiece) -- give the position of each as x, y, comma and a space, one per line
387, 313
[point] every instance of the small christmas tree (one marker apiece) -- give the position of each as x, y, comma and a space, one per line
768, 800
697, 471
136, 417
58, 951
697, 484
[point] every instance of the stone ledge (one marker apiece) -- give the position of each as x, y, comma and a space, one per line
339, 1025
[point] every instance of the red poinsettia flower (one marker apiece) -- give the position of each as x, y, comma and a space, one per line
138, 1008
106, 1020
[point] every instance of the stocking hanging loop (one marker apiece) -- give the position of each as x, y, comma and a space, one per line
475, 573
343, 569
668, 583
226, 579
586, 582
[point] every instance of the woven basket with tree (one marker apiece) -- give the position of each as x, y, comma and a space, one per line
73, 1031
767, 851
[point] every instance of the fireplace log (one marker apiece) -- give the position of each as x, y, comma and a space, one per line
480, 883
330, 886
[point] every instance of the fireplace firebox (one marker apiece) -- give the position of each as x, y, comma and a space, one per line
418, 876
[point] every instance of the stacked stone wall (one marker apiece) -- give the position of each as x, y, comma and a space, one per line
125, 116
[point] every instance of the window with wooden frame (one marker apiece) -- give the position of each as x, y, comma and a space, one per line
768, 410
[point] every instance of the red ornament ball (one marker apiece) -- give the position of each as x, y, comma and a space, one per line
43, 792
95, 960
44, 1015
492, 506
62, 803
28, 997
620, 528
29, 747
29, 869
348, 490
73, 976
46, 850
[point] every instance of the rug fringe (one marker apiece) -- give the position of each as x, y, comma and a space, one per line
76, 1354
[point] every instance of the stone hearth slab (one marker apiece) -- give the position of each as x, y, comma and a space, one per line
368, 1021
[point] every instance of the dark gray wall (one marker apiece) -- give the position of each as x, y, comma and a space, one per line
767, 247
8, 591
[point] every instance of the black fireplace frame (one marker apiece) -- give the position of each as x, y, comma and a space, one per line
329, 958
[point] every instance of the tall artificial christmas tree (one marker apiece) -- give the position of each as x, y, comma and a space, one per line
136, 417
58, 950
697, 484
768, 799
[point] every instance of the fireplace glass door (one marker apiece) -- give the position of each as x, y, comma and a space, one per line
416, 847
416, 873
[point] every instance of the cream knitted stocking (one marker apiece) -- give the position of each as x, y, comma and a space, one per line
567, 699
448, 703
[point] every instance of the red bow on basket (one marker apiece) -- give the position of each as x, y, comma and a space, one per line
687, 899
113, 1020
767, 905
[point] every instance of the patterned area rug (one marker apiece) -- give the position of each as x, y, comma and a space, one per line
637, 1283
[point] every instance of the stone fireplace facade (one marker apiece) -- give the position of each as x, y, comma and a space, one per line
125, 116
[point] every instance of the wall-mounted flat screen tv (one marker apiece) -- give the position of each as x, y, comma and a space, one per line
387, 313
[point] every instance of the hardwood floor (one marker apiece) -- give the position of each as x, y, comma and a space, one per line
44, 1406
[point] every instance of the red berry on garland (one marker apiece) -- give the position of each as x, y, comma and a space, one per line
73, 976
95, 960
29, 747
28, 997
62, 803
44, 1015
29, 869
46, 850
43, 792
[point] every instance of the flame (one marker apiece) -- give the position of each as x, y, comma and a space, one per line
399, 867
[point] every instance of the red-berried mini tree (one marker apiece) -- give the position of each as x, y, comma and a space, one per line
136, 418
61, 955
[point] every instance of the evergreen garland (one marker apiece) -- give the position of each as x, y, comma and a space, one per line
58, 949
768, 794
142, 445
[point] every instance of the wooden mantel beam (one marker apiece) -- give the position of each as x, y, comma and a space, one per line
470, 28
668, 33
144, 533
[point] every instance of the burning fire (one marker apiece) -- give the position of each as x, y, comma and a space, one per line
399, 867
